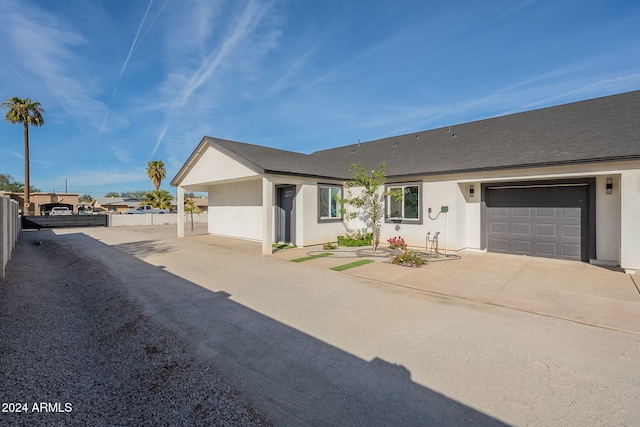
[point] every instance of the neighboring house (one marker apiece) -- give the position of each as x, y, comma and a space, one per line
559, 182
201, 202
114, 204
43, 202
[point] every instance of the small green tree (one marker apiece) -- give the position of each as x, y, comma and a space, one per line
7, 183
112, 194
369, 203
191, 208
85, 198
160, 199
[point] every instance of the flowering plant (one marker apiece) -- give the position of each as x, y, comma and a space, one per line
409, 259
397, 243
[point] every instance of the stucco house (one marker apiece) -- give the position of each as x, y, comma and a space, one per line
42, 203
559, 182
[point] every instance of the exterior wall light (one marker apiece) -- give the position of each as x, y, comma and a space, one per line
472, 191
609, 185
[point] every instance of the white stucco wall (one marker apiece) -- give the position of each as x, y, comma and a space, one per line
153, 219
310, 231
630, 220
235, 210
451, 225
608, 216
459, 228
473, 216
215, 166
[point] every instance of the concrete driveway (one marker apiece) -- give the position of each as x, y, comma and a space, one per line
311, 346
570, 290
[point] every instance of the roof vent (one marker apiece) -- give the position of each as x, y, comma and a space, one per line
454, 135
418, 136
395, 144
353, 151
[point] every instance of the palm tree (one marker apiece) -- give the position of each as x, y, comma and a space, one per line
157, 172
159, 199
28, 113
191, 208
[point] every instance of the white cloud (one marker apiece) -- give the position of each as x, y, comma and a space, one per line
292, 76
44, 44
216, 62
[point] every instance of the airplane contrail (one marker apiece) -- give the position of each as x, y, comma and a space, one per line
126, 61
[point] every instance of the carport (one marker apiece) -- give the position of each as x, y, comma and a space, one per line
45, 208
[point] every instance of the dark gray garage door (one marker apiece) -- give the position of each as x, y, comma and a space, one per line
539, 220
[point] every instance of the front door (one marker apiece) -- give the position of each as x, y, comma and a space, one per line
284, 215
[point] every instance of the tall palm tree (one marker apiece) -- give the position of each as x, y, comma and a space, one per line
160, 199
157, 172
28, 113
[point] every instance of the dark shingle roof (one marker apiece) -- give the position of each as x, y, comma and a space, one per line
272, 160
596, 130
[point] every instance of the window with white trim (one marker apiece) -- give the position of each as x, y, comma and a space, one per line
328, 205
403, 202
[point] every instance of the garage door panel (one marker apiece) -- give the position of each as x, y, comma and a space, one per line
571, 251
571, 231
499, 245
548, 230
501, 212
572, 213
522, 247
549, 249
522, 212
546, 212
499, 227
537, 221
522, 229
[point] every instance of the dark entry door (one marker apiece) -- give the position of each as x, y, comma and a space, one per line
539, 220
284, 215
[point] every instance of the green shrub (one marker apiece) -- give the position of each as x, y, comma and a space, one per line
409, 259
329, 246
356, 241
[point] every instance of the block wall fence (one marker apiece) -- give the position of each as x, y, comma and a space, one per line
10, 226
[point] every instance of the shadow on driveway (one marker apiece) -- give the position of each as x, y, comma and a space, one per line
293, 378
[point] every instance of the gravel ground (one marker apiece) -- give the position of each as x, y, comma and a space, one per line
75, 351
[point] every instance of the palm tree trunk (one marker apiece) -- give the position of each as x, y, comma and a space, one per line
27, 185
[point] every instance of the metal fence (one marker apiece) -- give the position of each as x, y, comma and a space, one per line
48, 221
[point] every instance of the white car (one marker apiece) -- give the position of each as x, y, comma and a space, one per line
144, 209
59, 210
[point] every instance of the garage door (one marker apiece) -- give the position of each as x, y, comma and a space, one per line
539, 220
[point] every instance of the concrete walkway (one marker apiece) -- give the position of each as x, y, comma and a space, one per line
570, 290
309, 346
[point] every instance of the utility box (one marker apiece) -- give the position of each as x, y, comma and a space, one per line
444, 209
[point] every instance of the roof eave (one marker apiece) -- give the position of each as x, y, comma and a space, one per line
304, 175
516, 166
187, 165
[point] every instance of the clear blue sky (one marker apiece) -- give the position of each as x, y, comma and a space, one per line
124, 82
